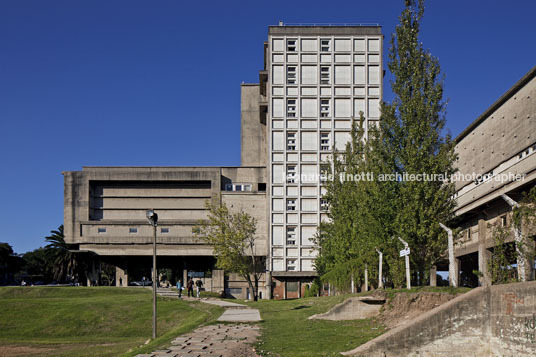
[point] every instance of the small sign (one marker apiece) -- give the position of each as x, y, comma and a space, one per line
404, 252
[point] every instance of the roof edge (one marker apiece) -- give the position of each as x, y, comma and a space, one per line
509, 93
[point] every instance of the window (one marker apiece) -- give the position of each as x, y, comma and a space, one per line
291, 235
132, 230
291, 264
469, 234
325, 74
325, 45
324, 108
291, 174
325, 170
291, 45
237, 187
101, 230
291, 141
291, 204
324, 204
291, 74
324, 141
164, 230
291, 108
262, 187
503, 221
291, 286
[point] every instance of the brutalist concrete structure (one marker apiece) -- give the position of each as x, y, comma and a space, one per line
315, 79
499, 147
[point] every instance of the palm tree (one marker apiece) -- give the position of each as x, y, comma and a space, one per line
64, 259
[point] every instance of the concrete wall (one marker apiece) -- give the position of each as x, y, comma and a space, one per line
253, 132
497, 320
507, 128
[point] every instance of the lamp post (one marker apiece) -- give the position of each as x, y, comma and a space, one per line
153, 220
380, 277
405, 254
453, 278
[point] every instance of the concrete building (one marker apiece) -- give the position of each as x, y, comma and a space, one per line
501, 141
317, 80
313, 82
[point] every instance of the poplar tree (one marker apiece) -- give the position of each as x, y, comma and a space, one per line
412, 128
366, 215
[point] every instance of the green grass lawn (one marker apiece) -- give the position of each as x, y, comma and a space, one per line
82, 321
287, 332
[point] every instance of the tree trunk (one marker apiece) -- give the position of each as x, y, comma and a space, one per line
256, 291
250, 284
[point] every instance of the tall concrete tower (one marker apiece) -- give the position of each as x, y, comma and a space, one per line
318, 79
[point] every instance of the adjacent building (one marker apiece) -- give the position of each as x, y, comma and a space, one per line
494, 152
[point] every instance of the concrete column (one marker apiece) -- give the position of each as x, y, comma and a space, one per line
433, 277
484, 255
121, 276
525, 260
184, 276
457, 268
218, 280
268, 285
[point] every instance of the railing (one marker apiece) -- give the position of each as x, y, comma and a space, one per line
329, 24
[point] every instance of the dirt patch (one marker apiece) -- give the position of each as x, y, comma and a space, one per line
404, 307
20, 350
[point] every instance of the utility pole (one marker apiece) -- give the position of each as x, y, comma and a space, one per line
380, 277
153, 220
405, 254
366, 277
453, 279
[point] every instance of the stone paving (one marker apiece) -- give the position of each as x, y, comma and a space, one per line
224, 340
213, 340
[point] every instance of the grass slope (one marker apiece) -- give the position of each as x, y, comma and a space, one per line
287, 332
103, 321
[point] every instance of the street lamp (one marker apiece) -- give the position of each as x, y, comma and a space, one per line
153, 220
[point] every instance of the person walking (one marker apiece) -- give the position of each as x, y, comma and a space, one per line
179, 288
190, 287
198, 285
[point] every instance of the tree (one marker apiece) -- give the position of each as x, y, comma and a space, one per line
232, 236
38, 265
10, 263
65, 261
412, 128
370, 213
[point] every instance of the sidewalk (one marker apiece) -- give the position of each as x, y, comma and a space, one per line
213, 340
224, 340
233, 312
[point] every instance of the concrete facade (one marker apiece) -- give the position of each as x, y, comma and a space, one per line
502, 141
317, 80
494, 321
330, 74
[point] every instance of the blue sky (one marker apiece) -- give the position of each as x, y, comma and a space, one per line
158, 82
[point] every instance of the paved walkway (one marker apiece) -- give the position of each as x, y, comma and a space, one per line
235, 312
224, 340
213, 340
